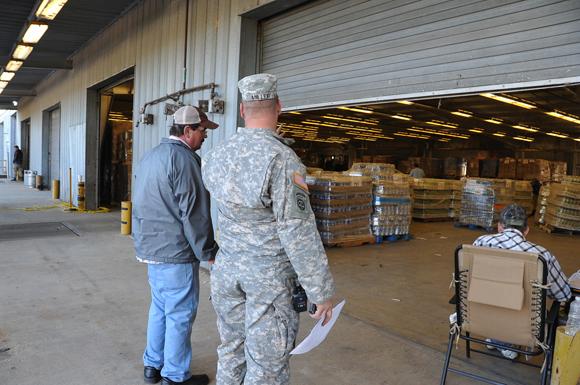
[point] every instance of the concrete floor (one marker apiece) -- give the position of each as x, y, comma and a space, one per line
73, 310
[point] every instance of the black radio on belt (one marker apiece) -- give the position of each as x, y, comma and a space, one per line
299, 299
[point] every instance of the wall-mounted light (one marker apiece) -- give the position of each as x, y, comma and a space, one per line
22, 51
48, 9
15, 103
13, 65
34, 32
7, 76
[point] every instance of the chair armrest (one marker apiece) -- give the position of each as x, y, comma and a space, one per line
553, 313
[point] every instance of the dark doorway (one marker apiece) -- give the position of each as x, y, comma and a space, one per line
116, 144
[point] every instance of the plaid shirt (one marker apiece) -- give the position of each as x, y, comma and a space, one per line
512, 239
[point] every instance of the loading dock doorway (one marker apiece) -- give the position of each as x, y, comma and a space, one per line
116, 143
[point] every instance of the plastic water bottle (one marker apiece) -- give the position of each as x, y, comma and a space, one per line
573, 324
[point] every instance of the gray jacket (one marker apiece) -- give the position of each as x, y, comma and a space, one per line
171, 207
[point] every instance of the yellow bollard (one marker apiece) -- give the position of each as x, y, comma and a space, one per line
566, 365
55, 189
125, 218
81, 195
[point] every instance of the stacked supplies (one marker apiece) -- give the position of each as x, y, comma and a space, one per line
524, 195
540, 216
391, 198
563, 208
505, 193
477, 201
342, 206
432, 198
455, 206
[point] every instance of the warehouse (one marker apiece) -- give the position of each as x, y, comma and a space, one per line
464, 88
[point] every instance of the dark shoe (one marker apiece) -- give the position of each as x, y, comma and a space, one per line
196, 379
151, 375
13, 180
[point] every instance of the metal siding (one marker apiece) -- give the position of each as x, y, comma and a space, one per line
340, 51
54, 117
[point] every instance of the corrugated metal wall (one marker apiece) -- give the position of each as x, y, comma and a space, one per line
344, 51
150, 38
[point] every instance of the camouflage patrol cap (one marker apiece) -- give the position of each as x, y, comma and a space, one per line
514, 216
258, 87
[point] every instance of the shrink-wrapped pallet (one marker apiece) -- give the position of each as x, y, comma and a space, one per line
524, 195
477, 201
563, 208
432, 198
558, 171
540, 215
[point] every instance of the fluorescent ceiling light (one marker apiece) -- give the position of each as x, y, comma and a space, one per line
561, 115
577, 139
342, 118
477, 130
514, 102
7, 76
465, 114
13, 65
48, 9
435, 132
502, 134
527, 128
405, 102
411, 135
524, 138
557, 134
3, 84
494, 121
356, 110
402, 117
1, 90
34, 32
443, 124
444, 139
22, 51
294, 112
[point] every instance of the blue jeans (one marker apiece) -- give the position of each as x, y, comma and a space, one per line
175, 295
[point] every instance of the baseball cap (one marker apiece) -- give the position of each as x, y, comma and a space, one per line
193, 115
258, 87
514, 216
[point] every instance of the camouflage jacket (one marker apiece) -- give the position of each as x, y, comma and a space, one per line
267, 228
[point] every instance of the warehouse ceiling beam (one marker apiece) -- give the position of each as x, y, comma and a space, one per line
53, 64
17, 93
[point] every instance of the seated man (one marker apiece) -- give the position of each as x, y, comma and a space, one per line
512, 228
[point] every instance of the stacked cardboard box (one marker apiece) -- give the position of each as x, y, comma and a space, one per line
558, 171
367, 158
524, 195
389, 159
342, 206
507, 168
489, 168
473, 168
505, 192
534, 168
405, 166
432, 198
449, 167
563, 209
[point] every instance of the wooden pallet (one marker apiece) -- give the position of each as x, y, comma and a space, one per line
427, 220
354, 242
548, 228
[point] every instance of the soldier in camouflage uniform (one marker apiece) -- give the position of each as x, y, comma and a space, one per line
268, 239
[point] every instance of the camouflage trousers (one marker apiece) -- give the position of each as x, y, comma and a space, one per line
257, 326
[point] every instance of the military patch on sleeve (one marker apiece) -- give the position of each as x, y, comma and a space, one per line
299, 180
300, 203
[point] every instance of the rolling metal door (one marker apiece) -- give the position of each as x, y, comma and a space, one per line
54, 154
344, 51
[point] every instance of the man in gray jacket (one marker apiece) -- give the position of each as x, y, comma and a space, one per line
172, 232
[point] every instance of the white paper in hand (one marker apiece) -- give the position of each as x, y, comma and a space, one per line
318, 333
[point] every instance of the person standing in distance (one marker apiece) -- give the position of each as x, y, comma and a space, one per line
268, 243
17, 174
172, 232
417, 172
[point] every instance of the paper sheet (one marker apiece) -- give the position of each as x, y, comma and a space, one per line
318, 333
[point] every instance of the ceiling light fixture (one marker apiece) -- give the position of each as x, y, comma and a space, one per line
494, 121
294, 112
501, 134
401, 116
6, 76
524, 138
1, 90
48, 9
526, 128
345, 119
562, 115
557, 134
3, 84
34, 32
476, 130
465, 114
577, 139
405, 102
435, 132
13, 65
22, 51
443, 124
356, 110
412, 135
514, 101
